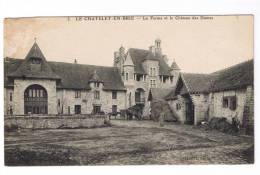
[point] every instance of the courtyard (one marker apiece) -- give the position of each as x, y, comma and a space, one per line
127, 143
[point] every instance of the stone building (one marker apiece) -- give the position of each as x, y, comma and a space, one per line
35, 85
142, 70
226, 93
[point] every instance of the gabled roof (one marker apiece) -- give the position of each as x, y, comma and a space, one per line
24, 70
95, 78
75, 76
237, 76
197, 83
139, 56
174, 66
234, 77
158, 93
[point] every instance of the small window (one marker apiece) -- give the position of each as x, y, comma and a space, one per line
114, 95
233, 103
96, 95
96, 84
152, 83
225, 102
35, 60
126, 76
77, 94
114, 109
77, 109
11, 96
96, 109
69, 110
178, 106
59, 102
230, 102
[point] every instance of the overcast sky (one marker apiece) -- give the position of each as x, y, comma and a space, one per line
201, 45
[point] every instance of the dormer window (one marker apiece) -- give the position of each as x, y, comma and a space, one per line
35, 64
35, 60
96, 84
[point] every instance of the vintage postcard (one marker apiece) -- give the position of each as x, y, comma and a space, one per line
129, 90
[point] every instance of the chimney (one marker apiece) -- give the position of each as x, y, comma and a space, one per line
121, 51
158, 46
152, 49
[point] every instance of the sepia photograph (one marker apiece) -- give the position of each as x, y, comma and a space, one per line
129, 90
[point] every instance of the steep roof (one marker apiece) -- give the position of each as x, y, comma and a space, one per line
174, 66
234, 77
23, 70
158, 93
95, 78
237, 76
197, 83
75, 76
139, 56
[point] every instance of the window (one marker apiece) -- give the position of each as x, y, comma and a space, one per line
178, 106
114, 109
152, 71
114, 95
96, 84
152, 83
96, 95
59, 102
77, 109
77, 94
11, 96
35, 60
69, 110
225, 102
126, 76
230, 102
96, 109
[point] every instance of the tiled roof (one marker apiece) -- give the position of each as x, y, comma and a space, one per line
174, 66
197, 82
139, 56
158, 93
237, 76
24, 68
75, 76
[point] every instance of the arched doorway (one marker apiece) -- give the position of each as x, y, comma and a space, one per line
139, 96
35, 100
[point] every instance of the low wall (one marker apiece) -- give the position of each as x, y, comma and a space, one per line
54, 122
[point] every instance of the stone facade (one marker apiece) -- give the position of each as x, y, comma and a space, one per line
65, 101
20, 86
87, 101
54, 122
150, 78
217, 109
207, 106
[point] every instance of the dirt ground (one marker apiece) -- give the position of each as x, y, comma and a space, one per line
127, 143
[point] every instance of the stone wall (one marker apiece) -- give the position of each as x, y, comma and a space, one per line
21, 85
86, 100
7, 103
54, 122
217, 109
181, 113
201, 107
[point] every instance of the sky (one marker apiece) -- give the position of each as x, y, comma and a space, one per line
199, 45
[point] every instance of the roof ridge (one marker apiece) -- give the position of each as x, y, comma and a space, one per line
81, 64
233, 66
